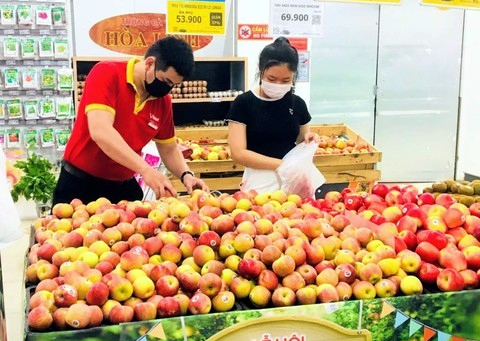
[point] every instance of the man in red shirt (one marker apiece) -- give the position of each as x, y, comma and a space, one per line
124, 105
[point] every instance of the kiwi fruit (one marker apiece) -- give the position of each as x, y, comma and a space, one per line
467, 201
476, 188
477, 199
454, 188
464, 182
436, 194
428, 190
450, 183
439, 187
465, 189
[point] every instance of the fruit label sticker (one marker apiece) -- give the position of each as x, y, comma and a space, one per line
196, 17
468, 4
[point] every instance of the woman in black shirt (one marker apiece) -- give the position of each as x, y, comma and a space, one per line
265, 123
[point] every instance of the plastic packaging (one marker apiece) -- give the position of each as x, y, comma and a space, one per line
9, 221
298, 173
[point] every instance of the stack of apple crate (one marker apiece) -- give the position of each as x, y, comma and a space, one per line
226, 175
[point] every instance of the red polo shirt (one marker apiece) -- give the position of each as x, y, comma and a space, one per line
109, 86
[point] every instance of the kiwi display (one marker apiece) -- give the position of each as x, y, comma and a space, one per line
465, 192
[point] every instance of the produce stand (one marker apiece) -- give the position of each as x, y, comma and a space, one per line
337, 168
437, 316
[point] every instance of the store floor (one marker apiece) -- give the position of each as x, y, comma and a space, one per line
13, 265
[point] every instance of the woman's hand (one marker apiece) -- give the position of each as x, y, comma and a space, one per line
309, 137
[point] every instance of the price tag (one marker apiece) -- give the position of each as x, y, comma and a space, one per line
24, 32
31, 122
13, 122
44, 32
11, 62
46, 62
47, 92
9, 32
62, 32
28, 62
30, 92
296, 18
196, 17
50, 121
14, 93
2, 122
216, 100
63, 63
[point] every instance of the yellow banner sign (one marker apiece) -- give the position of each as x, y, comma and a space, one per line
381, 2
468, 4
196, 17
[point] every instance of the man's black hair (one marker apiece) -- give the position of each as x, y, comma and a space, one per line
172, 52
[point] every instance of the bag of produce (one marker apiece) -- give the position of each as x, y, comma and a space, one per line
297, 172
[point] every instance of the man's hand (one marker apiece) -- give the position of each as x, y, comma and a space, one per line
158, 182
190, 182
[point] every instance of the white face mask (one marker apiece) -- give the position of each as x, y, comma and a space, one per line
274, 90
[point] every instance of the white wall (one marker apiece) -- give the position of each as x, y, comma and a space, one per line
257, 12
469, 140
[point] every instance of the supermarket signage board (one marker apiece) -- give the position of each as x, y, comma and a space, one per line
301, 18
466, 4
196, 17
132, 34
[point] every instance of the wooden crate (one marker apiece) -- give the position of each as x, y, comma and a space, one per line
337, 168
346, 168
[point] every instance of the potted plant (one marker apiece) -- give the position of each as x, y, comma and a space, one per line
37, 183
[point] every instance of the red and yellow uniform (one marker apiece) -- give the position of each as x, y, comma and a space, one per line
110, 87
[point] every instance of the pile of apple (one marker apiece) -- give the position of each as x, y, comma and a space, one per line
341, 145
100, 262
207, 152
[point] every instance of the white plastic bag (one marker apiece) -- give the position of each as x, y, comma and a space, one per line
260, 180
298, 173
9, 221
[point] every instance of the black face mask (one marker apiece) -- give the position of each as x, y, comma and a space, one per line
157, 88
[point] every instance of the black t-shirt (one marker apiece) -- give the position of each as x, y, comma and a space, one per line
272, 126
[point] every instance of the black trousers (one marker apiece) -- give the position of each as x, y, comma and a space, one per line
88, 188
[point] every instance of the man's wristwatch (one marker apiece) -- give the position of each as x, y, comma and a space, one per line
185, 173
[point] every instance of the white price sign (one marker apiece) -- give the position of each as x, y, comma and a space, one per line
296, 18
